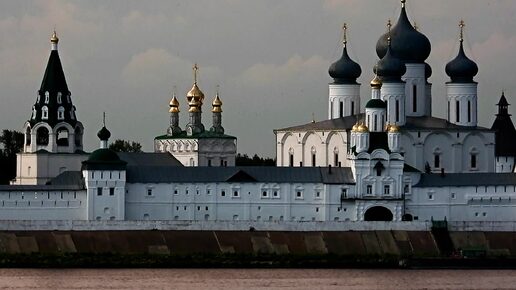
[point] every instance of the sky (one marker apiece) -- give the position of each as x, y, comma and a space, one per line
269, 57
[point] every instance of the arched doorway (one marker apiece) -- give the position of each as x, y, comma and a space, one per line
378, 213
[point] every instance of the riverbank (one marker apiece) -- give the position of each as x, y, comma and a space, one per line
437, 248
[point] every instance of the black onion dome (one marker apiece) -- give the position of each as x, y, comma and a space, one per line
428, 71
104, 134
408, 44
390, 68
461, 69
345, 70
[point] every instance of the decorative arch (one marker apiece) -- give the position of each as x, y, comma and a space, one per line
378, 213
308, 134
42, 136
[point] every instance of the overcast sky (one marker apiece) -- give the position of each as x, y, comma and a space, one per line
270, 58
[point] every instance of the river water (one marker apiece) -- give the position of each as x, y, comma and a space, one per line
249, 279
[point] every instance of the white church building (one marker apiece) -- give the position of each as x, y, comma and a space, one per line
391, 161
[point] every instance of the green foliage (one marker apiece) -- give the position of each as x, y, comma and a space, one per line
12, 143
245, 160
125, 146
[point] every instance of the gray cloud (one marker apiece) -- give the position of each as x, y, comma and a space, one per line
269, 57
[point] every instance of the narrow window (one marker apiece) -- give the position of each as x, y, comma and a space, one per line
264, 193
111, 191
236, 193
99, 191
352, 108
209, 162
369, 189
375, 123
437, 161
299, 194
291, 161
369, 120
448, 110
275, 194
341, 109
414, 98
336, 159
469, 111
223, 193
149, 191
473, 161
397, 110
457, 111
313, 159
344, 193
44, 113
331, 110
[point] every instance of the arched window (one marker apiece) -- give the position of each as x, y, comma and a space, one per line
59, 100
44, 113
27, 136
437, 158
314, 152
78, 136
47, 97
34, 112
42, 136
473, 158
469, 111
352, 108
62, 137
60, 113
291, 157
341, 109
335, 156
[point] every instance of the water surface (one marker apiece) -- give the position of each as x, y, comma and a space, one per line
249, 279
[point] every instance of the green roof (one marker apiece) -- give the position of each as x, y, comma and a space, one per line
376, 103
104, 159
203, 135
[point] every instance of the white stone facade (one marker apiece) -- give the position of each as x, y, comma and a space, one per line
200, 152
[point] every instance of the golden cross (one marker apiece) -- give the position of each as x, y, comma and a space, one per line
461, 25
195, 69
218, 87
104, 119
174, 90
389, 24
345, 39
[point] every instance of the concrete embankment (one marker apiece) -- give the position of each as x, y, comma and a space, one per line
182, 248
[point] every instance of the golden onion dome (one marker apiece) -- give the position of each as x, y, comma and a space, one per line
194, 105
174, 102
54, 38
195, 93
376, 83
387, 127
355, 128
362, 128
394, 129
216, 101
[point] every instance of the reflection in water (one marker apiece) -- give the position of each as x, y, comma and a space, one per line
248, 279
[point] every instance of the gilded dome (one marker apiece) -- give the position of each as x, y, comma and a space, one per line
362, 128
355, 128
394, 129
376, 83
217, 105
194, 105
195, 93
54, 38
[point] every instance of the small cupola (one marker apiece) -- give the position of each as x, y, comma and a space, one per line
345, 70
461, 69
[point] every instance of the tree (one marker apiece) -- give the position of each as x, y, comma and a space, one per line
125, 146
245, 160
12, 143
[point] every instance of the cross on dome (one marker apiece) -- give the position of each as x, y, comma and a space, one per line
462, 24
344, 29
